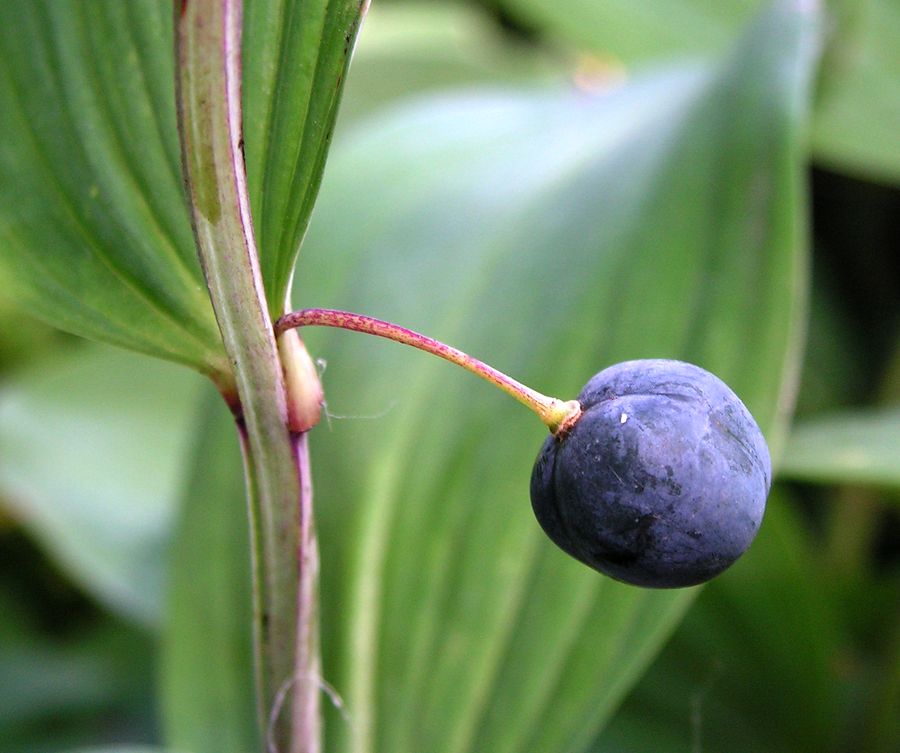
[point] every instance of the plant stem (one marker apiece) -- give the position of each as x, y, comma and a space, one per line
208, 77
558, 415
307, 721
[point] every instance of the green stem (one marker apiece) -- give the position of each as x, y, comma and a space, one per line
208, 77
558, 415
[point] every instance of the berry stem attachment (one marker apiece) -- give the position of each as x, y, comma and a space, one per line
557, 415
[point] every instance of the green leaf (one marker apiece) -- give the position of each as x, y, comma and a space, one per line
859, 103
768, 632
551, 232
96, 239
296, 55
91, 454
208, 703
405, 48
22, 337
859, 88
850, 447
635, 32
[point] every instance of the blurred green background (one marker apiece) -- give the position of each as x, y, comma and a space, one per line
552, 187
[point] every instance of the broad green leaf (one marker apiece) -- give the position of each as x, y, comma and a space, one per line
551, 232
207, 686
92, 450
851, 447
635, 32
761, 642
859, 94
405, 48
22, 337
296, 54
859, 104
94, 232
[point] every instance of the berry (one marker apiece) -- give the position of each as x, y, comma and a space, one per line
661, 482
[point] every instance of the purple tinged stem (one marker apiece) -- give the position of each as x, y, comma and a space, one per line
307, 720
208, 83
554, 413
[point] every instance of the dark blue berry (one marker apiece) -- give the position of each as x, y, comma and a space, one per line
661, 482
